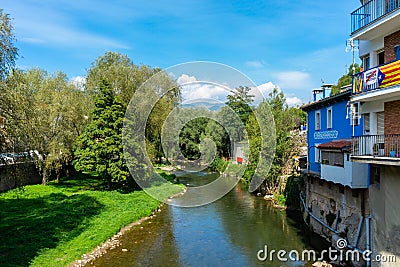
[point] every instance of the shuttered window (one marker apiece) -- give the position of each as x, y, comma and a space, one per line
380, 123
332, 158
367, 124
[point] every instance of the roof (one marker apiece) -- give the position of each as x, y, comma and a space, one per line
345, 95
336, 144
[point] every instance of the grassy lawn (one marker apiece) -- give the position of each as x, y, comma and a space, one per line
54, 225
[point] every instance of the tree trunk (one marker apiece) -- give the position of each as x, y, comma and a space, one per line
109, 182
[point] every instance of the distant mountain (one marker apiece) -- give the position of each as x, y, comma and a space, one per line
213, 106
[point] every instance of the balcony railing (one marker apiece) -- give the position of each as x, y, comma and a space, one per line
372, 11
379, 77
384, 145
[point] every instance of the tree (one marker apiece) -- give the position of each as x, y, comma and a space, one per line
287, 120
8, 52
99, 148
240, 101
346, 79
44, 113
122, 74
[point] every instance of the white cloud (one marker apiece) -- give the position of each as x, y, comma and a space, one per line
79, 82
254, 64
184, 78
293, 80
262, 91
193, 89
293, 101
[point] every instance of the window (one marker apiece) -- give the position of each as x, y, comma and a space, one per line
332, 158
375, 175
317, 120
329, 118
367, 123
381, 57
365, 62
397, 52
380, 124
355, 118
316, 151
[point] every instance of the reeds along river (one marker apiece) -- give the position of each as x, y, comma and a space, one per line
227, 232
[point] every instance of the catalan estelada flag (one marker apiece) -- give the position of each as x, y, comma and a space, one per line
390, 74
375, 78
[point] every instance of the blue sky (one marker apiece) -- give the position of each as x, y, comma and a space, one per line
288, 43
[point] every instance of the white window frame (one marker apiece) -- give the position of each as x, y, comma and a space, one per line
316, 154
364, 61
329, 118
356, 117
318, 122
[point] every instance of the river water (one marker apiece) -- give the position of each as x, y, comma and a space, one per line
227, 232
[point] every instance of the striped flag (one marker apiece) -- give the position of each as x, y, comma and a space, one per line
391, 74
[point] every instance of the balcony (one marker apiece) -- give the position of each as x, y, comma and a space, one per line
378, 149
372, 11
381, 81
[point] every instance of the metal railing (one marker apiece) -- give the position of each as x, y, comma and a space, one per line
372, 11
384, 145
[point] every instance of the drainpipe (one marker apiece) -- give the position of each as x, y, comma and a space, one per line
334, 230
358, 231
368, 236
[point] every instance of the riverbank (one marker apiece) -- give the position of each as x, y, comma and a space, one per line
55, 225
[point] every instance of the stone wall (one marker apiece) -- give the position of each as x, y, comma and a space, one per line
14, 175
326, 200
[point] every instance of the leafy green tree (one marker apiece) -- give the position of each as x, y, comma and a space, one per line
240, 101
8, 52
99, 148
346, 79
287, 121
45, 113
122, 74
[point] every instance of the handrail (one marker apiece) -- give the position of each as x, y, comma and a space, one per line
372, 11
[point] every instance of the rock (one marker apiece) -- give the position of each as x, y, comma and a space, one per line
124, 250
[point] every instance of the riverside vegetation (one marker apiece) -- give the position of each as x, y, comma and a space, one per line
75, 129
54, 225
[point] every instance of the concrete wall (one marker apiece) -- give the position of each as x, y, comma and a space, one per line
371, 47
352, 174
18, 174
326, 199
385, 212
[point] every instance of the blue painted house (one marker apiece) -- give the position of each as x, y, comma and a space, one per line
331, 123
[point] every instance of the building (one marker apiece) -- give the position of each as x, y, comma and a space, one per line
376, 97
335, 195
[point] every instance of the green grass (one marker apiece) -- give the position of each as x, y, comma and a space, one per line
54, 225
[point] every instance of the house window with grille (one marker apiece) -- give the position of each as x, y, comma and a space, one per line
332, 158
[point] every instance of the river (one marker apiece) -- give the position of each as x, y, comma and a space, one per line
227, 232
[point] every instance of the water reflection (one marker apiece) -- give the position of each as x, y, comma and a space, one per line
228, 232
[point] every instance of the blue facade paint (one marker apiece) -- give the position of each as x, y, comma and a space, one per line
341, 127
